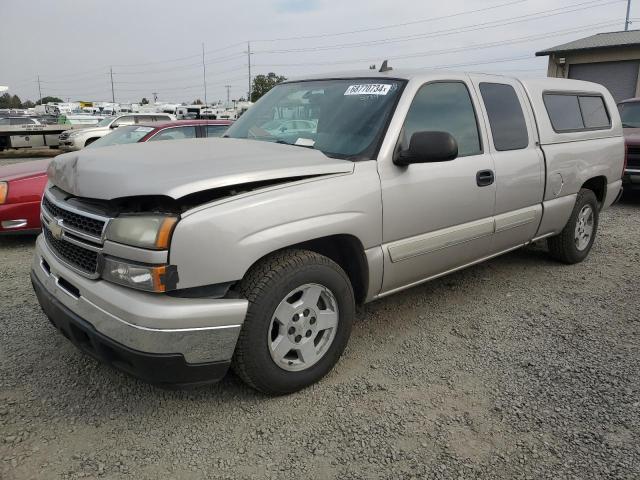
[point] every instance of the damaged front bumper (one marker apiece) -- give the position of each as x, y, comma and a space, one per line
160, 339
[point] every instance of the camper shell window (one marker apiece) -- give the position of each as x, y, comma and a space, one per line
573, 112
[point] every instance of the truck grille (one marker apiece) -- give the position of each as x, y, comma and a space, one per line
83, 224
76, 256
633, 156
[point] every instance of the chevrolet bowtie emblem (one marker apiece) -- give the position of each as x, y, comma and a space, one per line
55, 227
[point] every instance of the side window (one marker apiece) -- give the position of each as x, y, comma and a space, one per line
126, 120
445, 107
161, 118
216, 130
564, 112
175, 134
594, 113
508, 126
576, 112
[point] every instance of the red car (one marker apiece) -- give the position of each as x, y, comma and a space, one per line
22, 184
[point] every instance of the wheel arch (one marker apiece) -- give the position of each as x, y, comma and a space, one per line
598, 185
344, 249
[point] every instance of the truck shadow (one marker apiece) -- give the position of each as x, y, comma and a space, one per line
631, 198
18, 240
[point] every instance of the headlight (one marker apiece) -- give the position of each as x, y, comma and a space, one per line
148, 231
74, 134
152, 278
4, 190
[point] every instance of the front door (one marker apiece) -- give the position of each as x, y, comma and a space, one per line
438, 216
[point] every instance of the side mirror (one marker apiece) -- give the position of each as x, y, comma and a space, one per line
426, 147
114, 125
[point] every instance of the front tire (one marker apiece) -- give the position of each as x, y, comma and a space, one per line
573, 244
301, 307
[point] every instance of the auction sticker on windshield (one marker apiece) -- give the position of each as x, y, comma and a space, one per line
368, 89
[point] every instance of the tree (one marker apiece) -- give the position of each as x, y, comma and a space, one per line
144, 101
263, 83
28, 104
46, 100
15, 102
5, 100
197, 102
10, 101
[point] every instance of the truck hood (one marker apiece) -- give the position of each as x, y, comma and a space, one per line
180, 167
22, 170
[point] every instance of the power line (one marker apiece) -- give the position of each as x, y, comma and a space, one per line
451, 31
181, 77
451, 50
394, 25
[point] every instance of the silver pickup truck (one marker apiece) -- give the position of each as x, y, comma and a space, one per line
174, 260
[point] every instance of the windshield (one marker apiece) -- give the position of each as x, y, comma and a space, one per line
630, 114
105, 122
122, 135
341, 118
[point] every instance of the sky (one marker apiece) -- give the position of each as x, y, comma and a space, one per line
156, 45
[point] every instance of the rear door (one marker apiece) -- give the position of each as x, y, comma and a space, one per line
518, 160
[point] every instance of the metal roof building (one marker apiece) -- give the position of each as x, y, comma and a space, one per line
611, 59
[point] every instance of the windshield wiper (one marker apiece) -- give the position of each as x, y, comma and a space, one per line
282, 142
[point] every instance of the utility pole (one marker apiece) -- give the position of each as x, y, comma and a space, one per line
113, 95
39, 90
155, 97
249, 64
204, 76
228, 87
626, 22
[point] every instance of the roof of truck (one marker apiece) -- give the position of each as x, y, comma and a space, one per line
394, 74
544, 83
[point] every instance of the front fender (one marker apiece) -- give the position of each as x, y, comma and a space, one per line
219, 243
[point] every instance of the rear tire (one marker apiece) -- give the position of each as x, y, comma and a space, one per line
573, 244
286, 343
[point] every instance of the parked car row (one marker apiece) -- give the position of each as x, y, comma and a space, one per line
22, 184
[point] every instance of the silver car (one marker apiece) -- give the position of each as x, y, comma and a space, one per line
174, 260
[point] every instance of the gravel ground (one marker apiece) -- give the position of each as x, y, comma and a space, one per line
517, 368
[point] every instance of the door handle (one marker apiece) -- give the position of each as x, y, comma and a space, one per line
484, 178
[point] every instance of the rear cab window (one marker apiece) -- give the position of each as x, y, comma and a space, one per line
571, 112
506, 118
